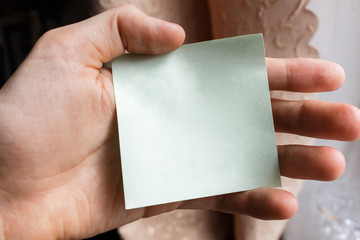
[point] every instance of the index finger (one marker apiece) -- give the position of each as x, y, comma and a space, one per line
304, 75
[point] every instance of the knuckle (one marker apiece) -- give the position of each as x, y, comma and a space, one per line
51, 38
54, 43
129, 8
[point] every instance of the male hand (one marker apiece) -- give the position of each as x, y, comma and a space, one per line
60, 175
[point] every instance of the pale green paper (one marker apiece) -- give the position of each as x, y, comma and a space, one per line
195, 122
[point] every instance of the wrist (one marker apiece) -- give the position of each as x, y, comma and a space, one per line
19, 220
2, 229
2, 221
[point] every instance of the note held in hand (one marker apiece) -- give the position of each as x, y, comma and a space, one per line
195, 122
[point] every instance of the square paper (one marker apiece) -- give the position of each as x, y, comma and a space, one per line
195, 122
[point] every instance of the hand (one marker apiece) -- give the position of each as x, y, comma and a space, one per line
60, 174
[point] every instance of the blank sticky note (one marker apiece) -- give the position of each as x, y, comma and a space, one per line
195, 122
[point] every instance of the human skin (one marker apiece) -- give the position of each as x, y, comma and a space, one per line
60, 175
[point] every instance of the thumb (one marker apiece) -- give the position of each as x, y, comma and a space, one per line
103, 37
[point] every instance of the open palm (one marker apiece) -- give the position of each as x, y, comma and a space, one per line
59, 151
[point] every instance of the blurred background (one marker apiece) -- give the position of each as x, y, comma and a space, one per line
332, 210
327, 210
